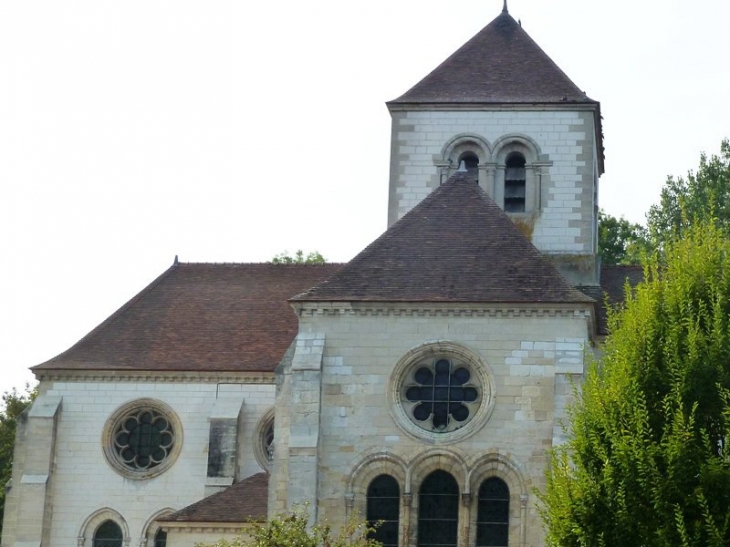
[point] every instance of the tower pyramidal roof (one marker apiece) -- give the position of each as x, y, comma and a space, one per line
501, 64
457, 245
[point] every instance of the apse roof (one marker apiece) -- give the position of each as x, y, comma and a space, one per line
242, 502
456, 245
200, 317
500, 64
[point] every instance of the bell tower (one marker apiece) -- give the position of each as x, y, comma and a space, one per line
526, 133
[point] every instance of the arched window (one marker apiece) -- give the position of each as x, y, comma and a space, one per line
471, 162
160, 538
438, 511
493, 514
515, 180
108, 534
384, 508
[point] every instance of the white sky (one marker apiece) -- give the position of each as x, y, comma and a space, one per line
229, 131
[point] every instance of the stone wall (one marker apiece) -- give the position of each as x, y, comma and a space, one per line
562, 173
361, 435
83, 483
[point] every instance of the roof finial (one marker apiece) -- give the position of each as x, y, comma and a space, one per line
504, 8
462, 167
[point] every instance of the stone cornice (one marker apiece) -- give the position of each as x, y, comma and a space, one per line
207, 527
89, 375
475, 107
446, 309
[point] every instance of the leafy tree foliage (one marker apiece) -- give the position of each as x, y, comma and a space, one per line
701, 195
647, 461
620, 241
299, 258
14, 404
294, 531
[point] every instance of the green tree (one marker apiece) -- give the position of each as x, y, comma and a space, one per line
294, 531
299, 258
620, 241
701, 195
647, 462
13, 405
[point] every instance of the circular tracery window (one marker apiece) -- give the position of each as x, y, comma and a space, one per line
441, 392
441, 395
142, 439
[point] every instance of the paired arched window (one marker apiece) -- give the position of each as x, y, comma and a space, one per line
438, 511
383, 509
493, 514
108, 534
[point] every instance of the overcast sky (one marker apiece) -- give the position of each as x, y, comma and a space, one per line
229, 131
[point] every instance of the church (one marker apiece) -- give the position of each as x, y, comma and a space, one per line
421, 384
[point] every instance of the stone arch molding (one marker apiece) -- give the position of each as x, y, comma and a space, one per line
516, 142
466, 142
371, 466
93, 521
410, 473
445, 459
151, 527
469, 473
497, 464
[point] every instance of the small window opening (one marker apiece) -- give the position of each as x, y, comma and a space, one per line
471, 162
383, 510
438, 511
109, 534
514, 184
161, 538
493, 514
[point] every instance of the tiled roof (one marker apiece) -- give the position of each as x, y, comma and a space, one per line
456, 245
501, 64
611, 292
241, 502
200, 317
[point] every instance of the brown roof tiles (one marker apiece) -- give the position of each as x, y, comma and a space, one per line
457, 245
501, 64
241, 502
200, 317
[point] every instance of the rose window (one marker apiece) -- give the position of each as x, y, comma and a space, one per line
440, 395
143, 439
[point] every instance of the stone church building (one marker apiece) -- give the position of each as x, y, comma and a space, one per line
421, 384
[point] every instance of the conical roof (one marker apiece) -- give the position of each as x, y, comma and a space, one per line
456, 245
501, 64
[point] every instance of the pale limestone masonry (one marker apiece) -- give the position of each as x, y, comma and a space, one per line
305, 418
186, 535
529, 351
559, 146
30, 511
72, 440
